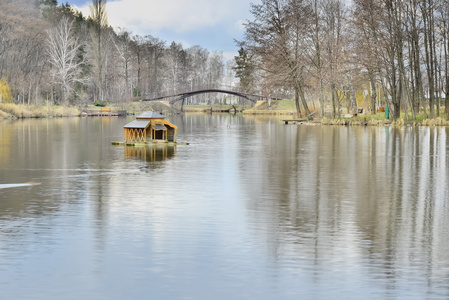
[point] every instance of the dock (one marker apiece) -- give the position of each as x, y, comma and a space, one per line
142, 144
294, 121
104, 112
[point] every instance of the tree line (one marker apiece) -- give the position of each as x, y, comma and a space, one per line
54, 54
395, 53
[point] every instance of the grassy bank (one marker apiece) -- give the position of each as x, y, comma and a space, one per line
19, 111
287, 107
215, 108
30, 111
380, 120
276, 107
282, 108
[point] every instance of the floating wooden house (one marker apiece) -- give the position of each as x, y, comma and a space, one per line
150, 127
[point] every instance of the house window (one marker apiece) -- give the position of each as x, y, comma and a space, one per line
159, 135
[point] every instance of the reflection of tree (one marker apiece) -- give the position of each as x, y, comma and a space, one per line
406, 214
5, 143
374, 193
67, 156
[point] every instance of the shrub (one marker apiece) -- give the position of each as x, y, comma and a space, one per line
435, 122
5, 91
398, 122
100, 103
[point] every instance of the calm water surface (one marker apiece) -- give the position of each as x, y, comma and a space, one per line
251, 209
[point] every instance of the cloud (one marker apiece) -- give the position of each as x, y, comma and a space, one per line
176, 15
229, 55
208, 23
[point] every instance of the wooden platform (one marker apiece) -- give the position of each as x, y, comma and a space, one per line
294, 121
104, 113
147, 144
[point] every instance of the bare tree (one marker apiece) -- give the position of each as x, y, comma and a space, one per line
278, 39
99, 45
337, 64
317, 60
123, 44
427, 10
22, 35
173, 61
444, 28
62, 49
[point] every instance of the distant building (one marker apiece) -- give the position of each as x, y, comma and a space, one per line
150, 127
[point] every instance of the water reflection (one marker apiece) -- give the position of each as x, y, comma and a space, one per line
375, 198
151, 153
250, 209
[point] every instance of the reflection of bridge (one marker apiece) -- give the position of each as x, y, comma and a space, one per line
183, 95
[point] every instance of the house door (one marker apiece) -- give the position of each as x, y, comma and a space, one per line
159, 134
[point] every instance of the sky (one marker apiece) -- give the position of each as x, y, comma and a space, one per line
211, 24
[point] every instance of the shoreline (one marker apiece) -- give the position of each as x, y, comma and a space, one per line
21, 111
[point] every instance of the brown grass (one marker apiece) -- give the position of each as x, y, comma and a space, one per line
374, 122
267, 112
4, 115
326, 121
398, 123
31, 111
435, 122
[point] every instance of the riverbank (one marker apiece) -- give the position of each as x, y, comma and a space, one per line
282, 108
276, 107
19, 111
287, 108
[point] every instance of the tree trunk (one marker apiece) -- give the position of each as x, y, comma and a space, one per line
334, 99
353, 101
318, 56
446, 59
304, 102
428, 45
298, 106
373, 92
446, 63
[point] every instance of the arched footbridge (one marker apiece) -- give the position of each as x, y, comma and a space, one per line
182, 96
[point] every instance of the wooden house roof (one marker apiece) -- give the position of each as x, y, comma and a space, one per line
138, 124
150, 114
167, 123
159, 127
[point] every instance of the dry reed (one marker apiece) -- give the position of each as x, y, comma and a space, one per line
326, 121
267, 112
374, 122
435, 122
398, 123
31, 111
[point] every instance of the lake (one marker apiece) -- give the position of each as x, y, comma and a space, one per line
250, 209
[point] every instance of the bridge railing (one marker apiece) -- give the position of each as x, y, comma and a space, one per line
178, 95
211, 87
180, 92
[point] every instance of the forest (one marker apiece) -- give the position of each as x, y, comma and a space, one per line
366, 53
51, 53
327, 55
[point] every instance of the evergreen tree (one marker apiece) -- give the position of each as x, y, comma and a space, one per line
244, 69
